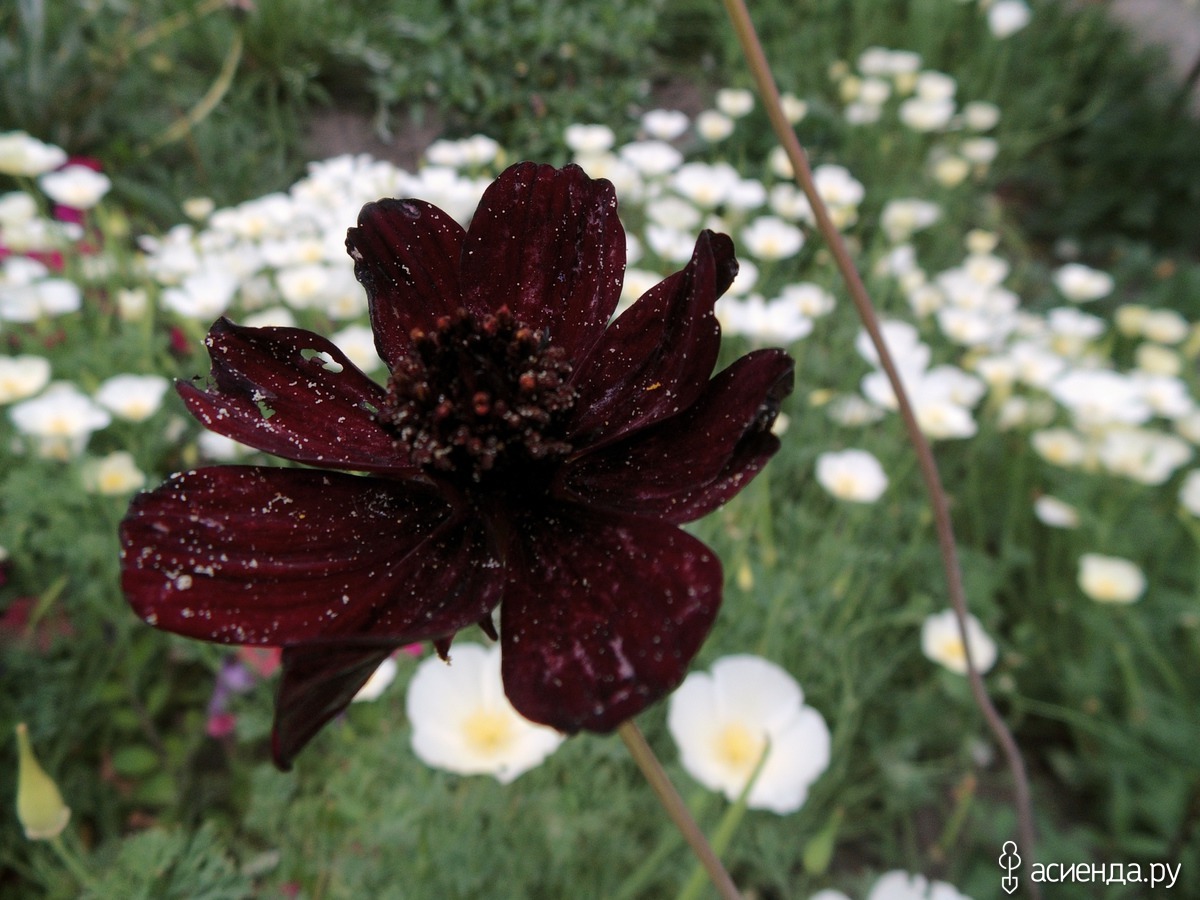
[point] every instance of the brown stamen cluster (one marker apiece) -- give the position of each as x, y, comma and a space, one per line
477, 394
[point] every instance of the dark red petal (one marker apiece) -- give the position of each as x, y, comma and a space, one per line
688, 465
247, 555
655, 359
406, 254
272, 391
547, 244
318, 682
602, 616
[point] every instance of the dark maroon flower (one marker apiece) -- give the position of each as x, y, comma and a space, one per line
524, 450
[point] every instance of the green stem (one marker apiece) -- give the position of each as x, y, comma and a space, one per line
72, 863
677, 810
726, 828
765, 82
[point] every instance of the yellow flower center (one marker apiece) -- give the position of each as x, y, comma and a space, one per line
739, 747
952, 652
487, 731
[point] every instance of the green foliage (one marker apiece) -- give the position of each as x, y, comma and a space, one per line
519, 71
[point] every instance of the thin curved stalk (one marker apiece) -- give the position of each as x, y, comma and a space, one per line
765, 82
667, 795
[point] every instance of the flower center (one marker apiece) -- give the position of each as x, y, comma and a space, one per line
475, 395
488, 732
739, 748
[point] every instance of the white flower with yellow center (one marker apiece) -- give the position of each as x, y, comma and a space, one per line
1189, 492
941, 642
134, 398
113, 475
734, 102
1164, 326
903, 217
1082, 284
22, 376
771, 238
23, 155
589, 139
59, 421
463, 723
78, 187
1110, 579
1059, 446
749, 715
1055, 513
853, 475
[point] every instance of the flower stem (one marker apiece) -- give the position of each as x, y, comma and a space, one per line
676, 808
764, 80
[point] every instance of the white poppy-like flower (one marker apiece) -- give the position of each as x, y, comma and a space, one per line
651, 158
1055, 513
1143, 455
1006, 17
664, 124
1110, 579
900, 885
903, 342
672, 212
837, 187
479, 150
60, 420
17, 208
853, 411
714, 126
949, 170
379, 681
904, 217
794, 109
22, 376
859, 113
777, 321
726, 721
940, 418
926, 114
463, 722
589, 139
113, 475
942, 643
706, 185
1155, 359
1099, 397
931, 85
771, 238
810, 300
735, 102
1164, 326
1059, 446
979, 115
203, 295
1082, 284
133, 398
25, 156
853, 475
79, 187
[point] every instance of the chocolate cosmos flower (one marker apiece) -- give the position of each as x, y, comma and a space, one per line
525, 454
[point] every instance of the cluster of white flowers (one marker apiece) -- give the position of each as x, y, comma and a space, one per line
886, 83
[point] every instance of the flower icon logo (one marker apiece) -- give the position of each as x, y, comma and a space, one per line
1010, 860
